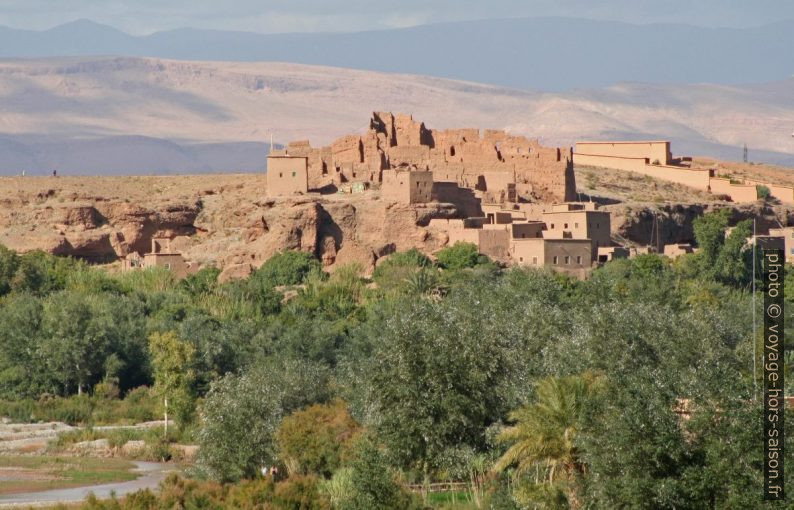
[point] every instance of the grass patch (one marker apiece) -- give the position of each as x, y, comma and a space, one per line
39, 473
458, 500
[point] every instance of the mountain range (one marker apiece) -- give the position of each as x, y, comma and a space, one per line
125, 115
548, 54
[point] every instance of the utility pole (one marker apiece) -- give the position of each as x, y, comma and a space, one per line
745, 153
755, 333
165, 399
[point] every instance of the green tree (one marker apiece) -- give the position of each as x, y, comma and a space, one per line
241, 414
78, 333
435, 376
9, 261
373, 484
22, 372
544, 436
172, 361
709, 232
734, 262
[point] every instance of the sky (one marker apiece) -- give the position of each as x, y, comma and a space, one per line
140, 17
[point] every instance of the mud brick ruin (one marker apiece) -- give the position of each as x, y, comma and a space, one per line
512, 168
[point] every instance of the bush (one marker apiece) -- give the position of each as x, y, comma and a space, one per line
373, 484
286, 268
763, 191
316, 440
459, 256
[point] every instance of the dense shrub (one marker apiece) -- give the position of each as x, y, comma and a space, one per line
460, 256
316, 440
286, 268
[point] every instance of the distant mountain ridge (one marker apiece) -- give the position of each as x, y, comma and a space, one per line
123, 115
549, 54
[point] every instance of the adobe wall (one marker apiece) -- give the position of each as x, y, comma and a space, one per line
286, 175
740, 193
461, 156
407, 187
783, 193
688, 177
571, 254
658, 151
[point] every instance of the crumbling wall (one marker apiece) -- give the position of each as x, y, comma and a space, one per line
461, 156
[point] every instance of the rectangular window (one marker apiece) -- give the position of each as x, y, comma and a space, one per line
293, 174
555, 260
168, 265
575, 225
534, 261
567, 260
579, 260
521, 259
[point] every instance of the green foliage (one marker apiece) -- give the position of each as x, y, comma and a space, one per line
286, 268
543, 440
763, 191
9, 261
173, 376
434, 378
202, 282
373, 483
317, 439
242, 412
298, 493
460, 256
137, 406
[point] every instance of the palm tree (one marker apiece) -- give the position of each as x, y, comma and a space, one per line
543, 435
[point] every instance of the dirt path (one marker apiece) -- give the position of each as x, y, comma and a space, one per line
151, 474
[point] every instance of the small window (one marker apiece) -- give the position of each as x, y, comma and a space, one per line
567, 260
535, 261
575, 225
521, 259
552, 225
791, 251
579, 260
280, 174
792, 235
294, 174
565, 225
555, 260
168, 265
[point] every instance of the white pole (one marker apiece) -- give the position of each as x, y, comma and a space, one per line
166, 416
755, 333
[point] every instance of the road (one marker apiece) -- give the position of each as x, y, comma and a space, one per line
152, 473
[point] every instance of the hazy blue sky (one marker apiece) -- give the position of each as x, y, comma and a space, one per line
145, 16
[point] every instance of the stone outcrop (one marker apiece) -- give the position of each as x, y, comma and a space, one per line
462, 156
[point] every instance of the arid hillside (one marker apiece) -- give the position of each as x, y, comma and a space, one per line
119, 115
227, 220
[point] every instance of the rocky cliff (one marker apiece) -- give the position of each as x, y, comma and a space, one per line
227, 220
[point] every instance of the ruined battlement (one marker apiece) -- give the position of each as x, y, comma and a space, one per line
463, 156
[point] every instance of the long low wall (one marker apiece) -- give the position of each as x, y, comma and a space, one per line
745, 191
739, 193
694, 178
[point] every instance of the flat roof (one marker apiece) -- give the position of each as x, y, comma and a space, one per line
624, 141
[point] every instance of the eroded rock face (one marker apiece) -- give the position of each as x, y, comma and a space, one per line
227, 221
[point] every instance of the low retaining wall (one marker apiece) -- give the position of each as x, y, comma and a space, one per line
694, 178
